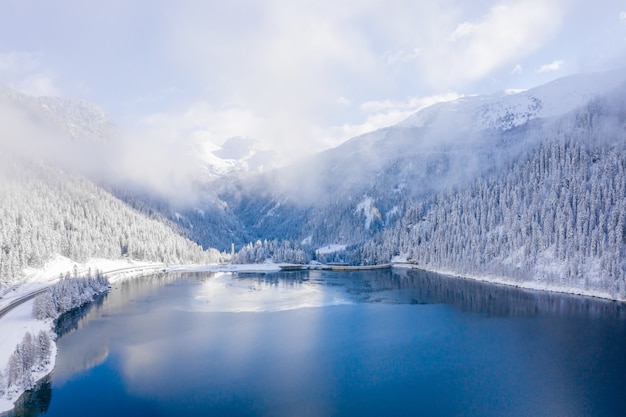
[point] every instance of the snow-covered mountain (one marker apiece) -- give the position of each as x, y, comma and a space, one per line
236, 155
508, 109
76, 118
348, 193
518, 185
50, 207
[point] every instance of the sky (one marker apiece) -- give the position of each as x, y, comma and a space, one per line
297, 76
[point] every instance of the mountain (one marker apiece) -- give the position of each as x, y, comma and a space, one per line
75, 118
556, 218
48, 209
520, 187
348, 194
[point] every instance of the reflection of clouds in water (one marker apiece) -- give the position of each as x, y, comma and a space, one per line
228, 293
166, 347
75, 357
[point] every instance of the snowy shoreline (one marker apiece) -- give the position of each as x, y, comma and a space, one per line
534, 286
20, 320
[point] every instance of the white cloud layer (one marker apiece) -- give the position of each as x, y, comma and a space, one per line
297, 76
551, 67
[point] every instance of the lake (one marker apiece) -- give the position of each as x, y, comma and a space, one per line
320, 343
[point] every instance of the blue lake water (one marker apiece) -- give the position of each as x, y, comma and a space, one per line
395, 343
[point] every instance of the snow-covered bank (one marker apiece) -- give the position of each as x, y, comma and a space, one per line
528, 285
20, 320
264, 267
13, 326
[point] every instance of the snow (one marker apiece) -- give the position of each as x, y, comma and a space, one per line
367, 208
328, 249
510, 108
495, 279
13, 326
17, 322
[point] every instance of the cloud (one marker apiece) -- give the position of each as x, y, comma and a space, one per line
17, 62
551, 67
386, 113
38, 85
517, 70
622, 17
505, 34
401, 56
24, 71
288, 74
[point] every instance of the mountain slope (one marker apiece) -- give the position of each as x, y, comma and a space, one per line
555, 219
47, 211
78, 119
349, 193
47, 208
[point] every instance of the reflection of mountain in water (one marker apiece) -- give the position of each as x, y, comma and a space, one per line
413, 286
422, 287
76, 318
34, 402
131, 289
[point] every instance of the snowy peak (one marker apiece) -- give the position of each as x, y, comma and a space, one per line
76, 118
236, 154
508, 109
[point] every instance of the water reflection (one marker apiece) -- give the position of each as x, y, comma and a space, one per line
490, 299
358, 343
271, 292
36, 401
254, 292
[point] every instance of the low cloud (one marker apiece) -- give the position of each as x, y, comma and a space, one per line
551, 67
386, 113
38, 85
25, 72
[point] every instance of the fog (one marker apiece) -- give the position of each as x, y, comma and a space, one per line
147, 160
439, 147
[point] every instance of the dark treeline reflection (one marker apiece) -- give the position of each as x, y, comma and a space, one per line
34, 402
131, 289
413, 286
423, 287
75, 318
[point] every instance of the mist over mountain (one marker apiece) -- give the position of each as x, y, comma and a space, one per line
526, 186
51, 202
349, 193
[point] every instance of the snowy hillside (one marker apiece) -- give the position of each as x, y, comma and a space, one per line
235, 155
49, 207
555, 219
47, 211
526, 186
508, 109
446, 145
79, 119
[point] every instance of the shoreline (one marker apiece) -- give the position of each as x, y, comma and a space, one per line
527, 285
19, 320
